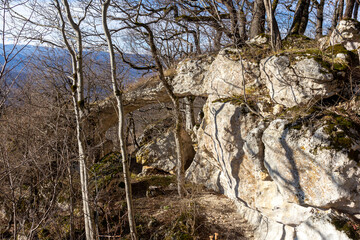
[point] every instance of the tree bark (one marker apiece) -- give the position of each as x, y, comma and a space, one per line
274, 28
349, 9
300, 18
189, 112
78, 102
356, 10
217, 40
236, 37
335, 16
341, 9
319, 19
177, 113
121, 128
258, 21
304, 18
71, 202
242, 25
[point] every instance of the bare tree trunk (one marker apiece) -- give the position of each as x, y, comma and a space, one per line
217, 40
356, 10
349, 9
258, 22
274, 29
338, 12
242, 25
196, 35
72, 230
234, 22
335, 16
304, 18
189, 112
121, 128
319, 18
177, 113
300, 18
78, 102
341, 9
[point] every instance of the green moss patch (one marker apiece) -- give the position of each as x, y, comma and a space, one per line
251, 53
157, 180
350, 228
107, 169
341, 137
299, 42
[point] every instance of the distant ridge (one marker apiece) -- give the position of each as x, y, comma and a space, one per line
22, 55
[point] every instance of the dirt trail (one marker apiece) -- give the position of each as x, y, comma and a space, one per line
220, 214
215, 214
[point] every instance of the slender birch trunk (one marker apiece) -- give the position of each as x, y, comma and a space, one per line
189, 112
121, 129
78, 102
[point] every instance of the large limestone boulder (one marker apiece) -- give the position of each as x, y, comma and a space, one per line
158, 150
347, 33
190, 76
282, 178
314, 168
219, 161
297, 82
229, 72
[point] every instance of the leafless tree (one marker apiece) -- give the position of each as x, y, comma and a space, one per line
118, 92
11, 31
78, 100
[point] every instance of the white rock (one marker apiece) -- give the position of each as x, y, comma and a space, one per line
283, 204
228, 73
296, 83
278, 108
317, 228
190, 76
342, 56
160, 152
258, 40
346, 33
219, 162
307, 171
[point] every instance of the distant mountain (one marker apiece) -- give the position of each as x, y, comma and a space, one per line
21, 55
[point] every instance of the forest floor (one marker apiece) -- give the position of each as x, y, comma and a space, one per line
203, 214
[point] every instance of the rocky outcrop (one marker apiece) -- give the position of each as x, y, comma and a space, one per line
158, 147
286, 178
311, 167
297, 82
290, 80
229, 73
290, 179
347, 33
190, 77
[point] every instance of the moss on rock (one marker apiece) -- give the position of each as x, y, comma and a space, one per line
350, 228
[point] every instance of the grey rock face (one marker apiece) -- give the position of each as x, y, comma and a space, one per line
228, 74
308, 170
291, 84
347, 33
190, 76
160, 152
282, 178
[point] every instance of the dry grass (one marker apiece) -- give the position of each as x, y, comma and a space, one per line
148, 81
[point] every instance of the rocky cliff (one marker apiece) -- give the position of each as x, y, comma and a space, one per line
268, 142
280, 134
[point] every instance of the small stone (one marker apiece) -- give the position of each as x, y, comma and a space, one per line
342, 56
278, 108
